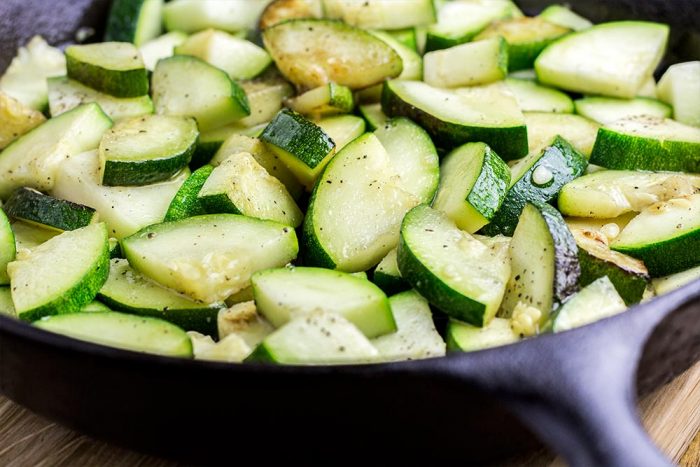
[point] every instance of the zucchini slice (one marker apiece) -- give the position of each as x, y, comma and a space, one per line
62, 275
8, 247
596, 301
265, 98
244, 321
136, 21
16, 119
648, 143
463, 337
328, 99
666, 236
238, 57
629, 275
282, 295
538, 178
412, 61
147, 149
457, 273
311, 53
128, 291
667, 284
29, 205
34, 159
29, 236
413, 156
319, 338
387, 275
300, 144
611, 193
66, 94
416, 337
161, 47
470, 64
124, 209
342, 129
356, 208
474, 183
606, 110
189, 87
526, 38
488, 114
680, 87
381, 14
114, 68
196, 15
239, 185
186, 203
543, 127
612, 59
373, 115
7, 308
532, 97
565, 17
137, 333
282, 10
544, 261
209, 258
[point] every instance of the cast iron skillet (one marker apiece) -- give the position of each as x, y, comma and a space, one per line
574, 391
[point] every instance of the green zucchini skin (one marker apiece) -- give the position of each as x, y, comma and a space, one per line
30, 205
139, 173
117, 83
629, 284
567, 270
186, 203
123, 21
668, 256
312, 252
562, 160
489, 190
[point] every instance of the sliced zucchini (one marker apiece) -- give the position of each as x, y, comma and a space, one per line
537, 178
342, 129
210, 142
114, 68
8, 247
231, 349
136, 21
381, 14
488, 114
129, 291
544, 261
387, 275
124, 209
196, 15
137, 333
62, 275
373, 115
244, 321
649, 88
459, 21
667, 284
265, 100
328, 99
25, 78
473, 184
470, 64
664, 236
565, 17
189, 87
146, 149
612, 59
186, 203
457, 273
412, 61
115, 250
209, 258
161, 47
611, 193
407, 37
416, 337
355, 213
594, 302
95, 307
66, 94
16, 119
463, 337
300, 144
282, 295
629, 275
319, 338
532, 97
28, 236
413, 156
237, 57
34, 159
7, 308
543, 127
29, 205
311, 53
237, 144
606, 110
282, 10
680, 87
240, 185
648, 143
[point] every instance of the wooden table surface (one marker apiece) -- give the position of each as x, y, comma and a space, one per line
671, 414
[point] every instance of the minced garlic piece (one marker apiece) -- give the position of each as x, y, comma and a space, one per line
525, 320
